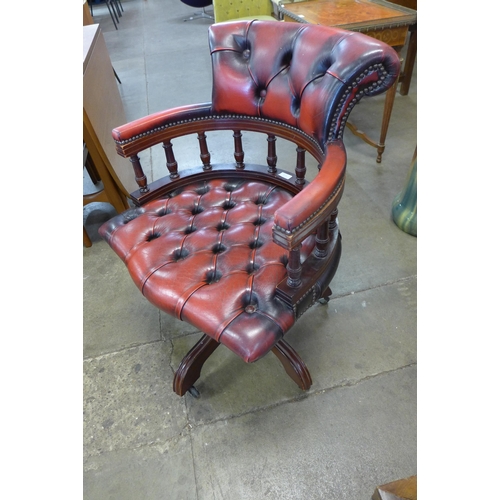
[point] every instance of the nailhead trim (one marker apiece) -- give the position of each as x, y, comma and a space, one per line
219, 117
288, 231
382, 72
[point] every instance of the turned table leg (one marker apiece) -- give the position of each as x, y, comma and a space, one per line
388, 105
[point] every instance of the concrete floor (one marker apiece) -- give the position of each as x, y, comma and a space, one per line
252, 434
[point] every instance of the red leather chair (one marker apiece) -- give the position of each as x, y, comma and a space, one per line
242, 251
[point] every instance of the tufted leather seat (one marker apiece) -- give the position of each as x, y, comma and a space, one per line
241, 251
217, 237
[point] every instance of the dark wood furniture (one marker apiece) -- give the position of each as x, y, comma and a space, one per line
402, 489
241, 250
102, 111
377, 18
87, 16
411, 53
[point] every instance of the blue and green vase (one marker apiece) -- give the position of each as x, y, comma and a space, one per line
404, 206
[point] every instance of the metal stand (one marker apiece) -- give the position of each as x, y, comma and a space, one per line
199, 15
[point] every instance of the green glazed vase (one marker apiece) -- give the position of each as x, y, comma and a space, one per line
404, 206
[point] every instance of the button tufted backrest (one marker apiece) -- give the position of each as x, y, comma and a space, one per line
306, 76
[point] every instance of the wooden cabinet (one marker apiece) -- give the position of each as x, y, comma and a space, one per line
102, 111
87, 16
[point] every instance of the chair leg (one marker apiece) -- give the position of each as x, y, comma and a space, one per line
116, 76
190, 367
202, 14
116, 8
89, 164
112, 15
293, 364
189, 370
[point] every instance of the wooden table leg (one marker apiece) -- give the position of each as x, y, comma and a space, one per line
411, 55
114, 195
388, 105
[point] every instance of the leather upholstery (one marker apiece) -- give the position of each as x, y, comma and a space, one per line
205, 255
298, 75
213, 251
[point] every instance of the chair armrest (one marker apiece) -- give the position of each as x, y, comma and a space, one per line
145, 132
306, 211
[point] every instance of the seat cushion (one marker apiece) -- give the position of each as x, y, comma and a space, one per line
205, 255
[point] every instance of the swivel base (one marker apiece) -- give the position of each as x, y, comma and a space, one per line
199, 15
190, 367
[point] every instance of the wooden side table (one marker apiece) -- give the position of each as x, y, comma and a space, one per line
411, 53
377, 18
402, 489
102, 111
87, 16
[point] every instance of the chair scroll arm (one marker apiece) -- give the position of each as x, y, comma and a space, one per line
312, 210
313, 206
140, 134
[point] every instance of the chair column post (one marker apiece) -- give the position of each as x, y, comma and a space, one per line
204, 153
140, 177
332, 224
300, 168
322, 239
272, 158
294, 268
238, 149
171, 161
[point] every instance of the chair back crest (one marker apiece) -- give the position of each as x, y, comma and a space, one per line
306, 76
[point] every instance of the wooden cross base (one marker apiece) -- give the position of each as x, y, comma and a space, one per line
403, 489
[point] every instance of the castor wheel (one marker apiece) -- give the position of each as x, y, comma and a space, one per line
194, 392
325, 298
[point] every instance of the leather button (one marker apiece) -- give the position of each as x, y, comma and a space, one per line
250, 309
263, 93
246, 54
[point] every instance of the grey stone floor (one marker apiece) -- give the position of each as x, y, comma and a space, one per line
252, 434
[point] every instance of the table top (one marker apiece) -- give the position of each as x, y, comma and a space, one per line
90, 33
354, 15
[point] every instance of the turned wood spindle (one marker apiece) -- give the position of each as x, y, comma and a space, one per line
140, 178
294, 268
171, 161
332, 224
272, 158
322, 238
300, 169
204, 153
238, 149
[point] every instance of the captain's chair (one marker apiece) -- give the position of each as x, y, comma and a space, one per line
242, 250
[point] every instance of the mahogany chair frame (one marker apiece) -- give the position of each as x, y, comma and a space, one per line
306, 280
